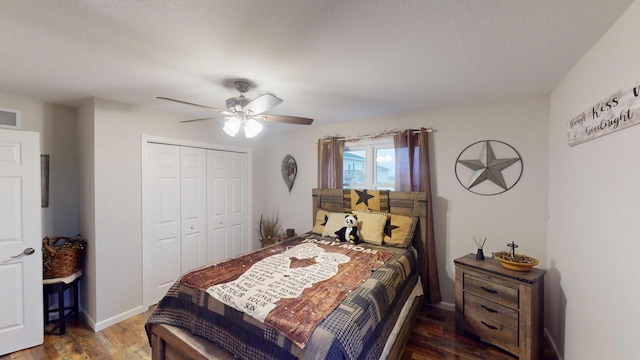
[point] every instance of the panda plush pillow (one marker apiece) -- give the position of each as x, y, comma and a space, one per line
349, 232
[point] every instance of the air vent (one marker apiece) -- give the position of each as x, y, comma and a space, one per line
10, 118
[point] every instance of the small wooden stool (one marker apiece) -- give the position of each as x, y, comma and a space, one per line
59, 286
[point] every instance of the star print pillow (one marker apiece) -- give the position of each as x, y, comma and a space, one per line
376, 200
399, 230
321, 220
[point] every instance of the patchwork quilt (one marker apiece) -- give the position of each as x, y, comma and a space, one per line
306, 298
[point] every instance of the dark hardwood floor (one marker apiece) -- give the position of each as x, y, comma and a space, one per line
433, 338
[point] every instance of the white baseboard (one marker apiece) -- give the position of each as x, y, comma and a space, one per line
97, 326
87, 318
553, 344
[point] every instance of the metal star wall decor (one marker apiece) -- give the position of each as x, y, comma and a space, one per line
489, 167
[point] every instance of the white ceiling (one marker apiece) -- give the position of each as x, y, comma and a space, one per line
332, 60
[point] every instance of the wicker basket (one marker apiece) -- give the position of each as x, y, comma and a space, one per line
62, 256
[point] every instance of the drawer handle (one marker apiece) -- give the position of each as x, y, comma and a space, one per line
489, 326
489, 309
491, 291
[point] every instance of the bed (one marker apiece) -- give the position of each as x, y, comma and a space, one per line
371, 302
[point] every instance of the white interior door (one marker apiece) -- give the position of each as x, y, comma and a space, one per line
227, 205
161, 188
21, 313
194, 207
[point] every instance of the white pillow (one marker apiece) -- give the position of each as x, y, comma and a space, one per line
371, 226
335, 223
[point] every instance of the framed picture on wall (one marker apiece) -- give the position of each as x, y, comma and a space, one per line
44, 180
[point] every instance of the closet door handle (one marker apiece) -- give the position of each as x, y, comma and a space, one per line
490, 291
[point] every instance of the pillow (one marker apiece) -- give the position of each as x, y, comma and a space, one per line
377, 200
371, 226
334, 223
399, 230
321, 220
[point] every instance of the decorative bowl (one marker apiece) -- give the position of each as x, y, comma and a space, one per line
523, 263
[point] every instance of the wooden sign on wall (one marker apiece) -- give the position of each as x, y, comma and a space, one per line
616, 112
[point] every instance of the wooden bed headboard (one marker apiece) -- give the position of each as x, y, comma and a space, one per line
408, 203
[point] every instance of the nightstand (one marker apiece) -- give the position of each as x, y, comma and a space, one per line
500, 306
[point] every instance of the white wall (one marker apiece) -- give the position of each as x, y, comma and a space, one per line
592, 286
118, 212
518, 214
58, 138
86, 206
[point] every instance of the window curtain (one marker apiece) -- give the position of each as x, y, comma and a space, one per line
330, 163
412, 174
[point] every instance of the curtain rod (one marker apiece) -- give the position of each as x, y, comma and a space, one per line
429, 130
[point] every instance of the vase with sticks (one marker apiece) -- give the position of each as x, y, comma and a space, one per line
480, 244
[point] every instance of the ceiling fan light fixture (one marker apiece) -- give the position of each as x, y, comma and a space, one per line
244, 114
232, 126
252, 128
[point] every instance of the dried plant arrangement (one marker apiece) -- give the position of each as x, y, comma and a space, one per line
270, 229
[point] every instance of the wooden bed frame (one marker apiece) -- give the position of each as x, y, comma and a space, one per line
173, 343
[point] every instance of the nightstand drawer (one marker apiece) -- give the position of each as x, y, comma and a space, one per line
486, 328
491, 310
491, 290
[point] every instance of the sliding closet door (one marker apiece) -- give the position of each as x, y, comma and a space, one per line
162, 263
195, 212
193, 197
227, 201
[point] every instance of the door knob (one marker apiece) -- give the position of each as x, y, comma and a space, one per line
27, 251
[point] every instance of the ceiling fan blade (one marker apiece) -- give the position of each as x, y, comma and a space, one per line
287, 119
261, 104
225, 112
208, 118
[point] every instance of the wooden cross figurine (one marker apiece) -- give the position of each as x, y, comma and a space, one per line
513, 247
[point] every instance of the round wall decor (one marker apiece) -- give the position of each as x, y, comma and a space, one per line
491, 160
289, 170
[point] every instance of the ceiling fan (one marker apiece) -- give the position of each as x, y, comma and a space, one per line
244, 114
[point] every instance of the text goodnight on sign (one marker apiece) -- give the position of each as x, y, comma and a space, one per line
616, 112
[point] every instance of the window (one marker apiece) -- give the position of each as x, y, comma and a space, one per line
369, 167
10, 118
